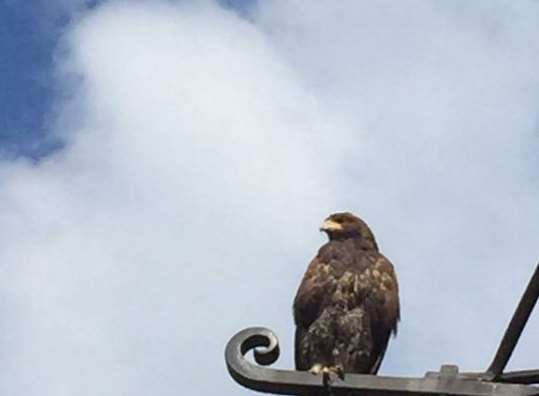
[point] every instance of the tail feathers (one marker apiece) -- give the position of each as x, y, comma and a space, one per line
338, 338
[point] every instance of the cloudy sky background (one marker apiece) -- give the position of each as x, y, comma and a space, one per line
163, 178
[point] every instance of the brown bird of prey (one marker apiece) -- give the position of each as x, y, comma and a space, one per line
347, 305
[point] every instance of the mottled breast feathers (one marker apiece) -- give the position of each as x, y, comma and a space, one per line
347, 304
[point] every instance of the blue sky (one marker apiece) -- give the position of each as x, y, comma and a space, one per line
165, 167
27, 49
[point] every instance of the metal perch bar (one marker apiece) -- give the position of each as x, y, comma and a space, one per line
288, 382
520, 377
448, 381
514, 330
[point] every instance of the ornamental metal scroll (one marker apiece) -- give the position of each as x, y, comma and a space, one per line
448, 381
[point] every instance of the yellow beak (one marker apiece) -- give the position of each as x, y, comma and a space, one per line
330, 225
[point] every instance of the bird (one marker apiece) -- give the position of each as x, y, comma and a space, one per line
347, 304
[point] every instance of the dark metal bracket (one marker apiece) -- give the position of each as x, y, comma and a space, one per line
448, 381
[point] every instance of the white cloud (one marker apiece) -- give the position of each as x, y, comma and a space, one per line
194, 162
202, 152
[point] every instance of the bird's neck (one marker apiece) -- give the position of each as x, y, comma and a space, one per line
361, 243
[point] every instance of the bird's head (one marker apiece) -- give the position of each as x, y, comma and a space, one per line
345, 225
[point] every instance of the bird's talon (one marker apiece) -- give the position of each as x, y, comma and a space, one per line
329, 373
316, 369
340, 372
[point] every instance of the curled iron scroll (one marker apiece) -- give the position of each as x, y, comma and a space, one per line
265, 346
